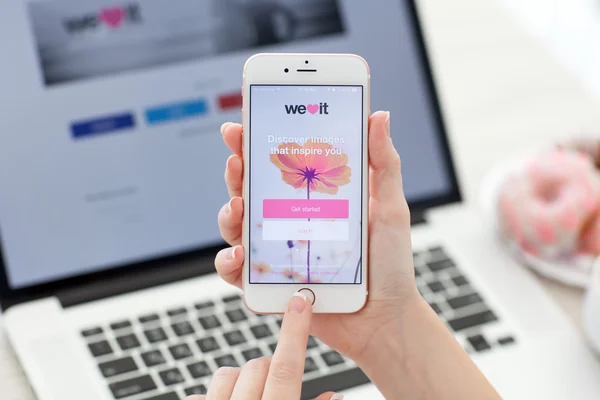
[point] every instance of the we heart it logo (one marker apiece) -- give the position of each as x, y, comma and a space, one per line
112, 17
312, 108
321, 108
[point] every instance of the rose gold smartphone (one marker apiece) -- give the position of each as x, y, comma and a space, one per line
305, 122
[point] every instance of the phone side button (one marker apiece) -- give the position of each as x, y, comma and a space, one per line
308, 293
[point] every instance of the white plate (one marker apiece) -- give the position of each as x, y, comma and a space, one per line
573, 271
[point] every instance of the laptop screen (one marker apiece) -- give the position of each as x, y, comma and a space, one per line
110, 151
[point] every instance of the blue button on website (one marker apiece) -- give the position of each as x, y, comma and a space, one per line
177, 111
107, 124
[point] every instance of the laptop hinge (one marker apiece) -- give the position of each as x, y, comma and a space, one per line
125, 281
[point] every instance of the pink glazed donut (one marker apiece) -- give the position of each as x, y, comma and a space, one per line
544, 208
590, 239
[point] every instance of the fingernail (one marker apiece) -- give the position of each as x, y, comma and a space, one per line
229, 206
231, 253
387, 122
224, 126
337, 396
298, 302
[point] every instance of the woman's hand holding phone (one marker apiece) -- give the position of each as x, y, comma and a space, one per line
392, 288
397, 339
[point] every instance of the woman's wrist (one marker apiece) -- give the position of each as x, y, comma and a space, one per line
388, 356
416, 356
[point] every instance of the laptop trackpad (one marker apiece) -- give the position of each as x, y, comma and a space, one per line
60, 370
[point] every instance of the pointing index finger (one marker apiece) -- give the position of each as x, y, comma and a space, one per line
287, 366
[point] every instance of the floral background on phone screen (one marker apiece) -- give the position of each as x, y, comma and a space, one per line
305, 184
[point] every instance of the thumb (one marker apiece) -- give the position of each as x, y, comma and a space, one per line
385, 178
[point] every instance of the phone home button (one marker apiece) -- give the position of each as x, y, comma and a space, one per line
308, 293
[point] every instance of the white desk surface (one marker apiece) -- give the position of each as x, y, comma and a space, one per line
501, 90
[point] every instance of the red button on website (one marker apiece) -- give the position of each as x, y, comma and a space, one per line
230, 100
297, 208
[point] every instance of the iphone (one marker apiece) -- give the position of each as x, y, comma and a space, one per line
305, 120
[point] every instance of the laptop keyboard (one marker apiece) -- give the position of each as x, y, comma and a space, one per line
170, 354
451, 295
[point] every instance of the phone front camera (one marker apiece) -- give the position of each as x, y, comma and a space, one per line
306, 62
286, 70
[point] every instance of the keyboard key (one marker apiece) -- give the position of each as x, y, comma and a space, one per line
91, 331
460, 280
236, 315
333, 382
234, 338
171, 376
208, 344
177, 311
310, 365
463, 301
100, 348
199, 369
198, 389
478, 342
128, 342
435, 308
437, 252
226, 361
470, 321
436, 286
437, 266
204, 305
273, 346
261, 331
120, 325
332, 358
182, 328
155, 335
312, 343
252, 353
148, 318
232, 299
116, 367
209, 322
129, 387
164, 396
506, 340
152, 358
180, 351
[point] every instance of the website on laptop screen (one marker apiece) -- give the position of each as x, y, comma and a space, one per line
110, 151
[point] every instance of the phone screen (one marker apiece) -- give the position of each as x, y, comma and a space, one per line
306, 178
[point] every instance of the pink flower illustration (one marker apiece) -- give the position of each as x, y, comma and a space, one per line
318, 167
261, 268
317, 172
292, 275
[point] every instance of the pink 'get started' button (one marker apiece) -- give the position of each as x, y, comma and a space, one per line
297, 208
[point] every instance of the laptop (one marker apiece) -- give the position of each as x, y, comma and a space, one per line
111, 178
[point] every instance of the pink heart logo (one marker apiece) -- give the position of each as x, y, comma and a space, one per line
312, 108
112, 16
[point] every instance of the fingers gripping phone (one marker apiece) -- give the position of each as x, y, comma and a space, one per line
305, 120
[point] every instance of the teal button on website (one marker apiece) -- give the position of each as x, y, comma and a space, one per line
176, 111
